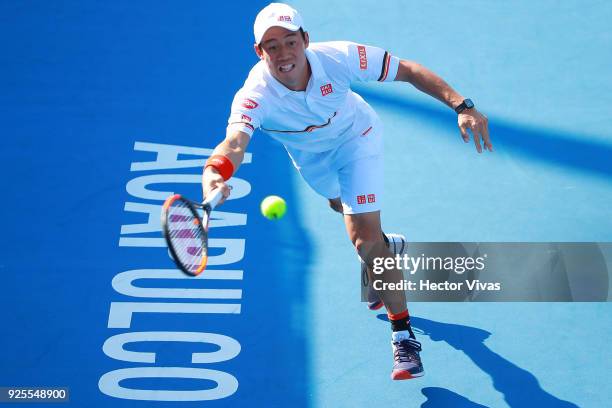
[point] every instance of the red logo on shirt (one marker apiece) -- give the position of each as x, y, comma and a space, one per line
245, 117
284, 18
249, 104
361, 199
363, 58
371, 198
326, 89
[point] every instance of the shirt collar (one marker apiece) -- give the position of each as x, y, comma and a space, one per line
317, 72
315, 66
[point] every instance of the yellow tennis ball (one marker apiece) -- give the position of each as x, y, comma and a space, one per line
273, 207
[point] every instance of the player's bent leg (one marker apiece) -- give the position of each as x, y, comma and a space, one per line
365, 233
361, 191
364, 230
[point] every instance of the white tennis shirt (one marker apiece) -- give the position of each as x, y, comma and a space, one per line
327, 113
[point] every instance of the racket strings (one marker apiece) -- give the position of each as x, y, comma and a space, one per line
186, 235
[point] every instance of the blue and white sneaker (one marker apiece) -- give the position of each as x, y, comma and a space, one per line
398, 246
407, 361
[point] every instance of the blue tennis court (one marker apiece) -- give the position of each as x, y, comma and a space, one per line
107, 108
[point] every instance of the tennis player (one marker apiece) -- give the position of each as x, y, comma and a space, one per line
299, 93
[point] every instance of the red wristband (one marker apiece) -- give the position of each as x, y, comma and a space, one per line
222, 164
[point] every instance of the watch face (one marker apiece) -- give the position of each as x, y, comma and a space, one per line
469, 104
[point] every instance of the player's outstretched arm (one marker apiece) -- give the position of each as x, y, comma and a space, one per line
224, 162
428, 82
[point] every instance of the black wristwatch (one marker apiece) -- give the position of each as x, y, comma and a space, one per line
466, 104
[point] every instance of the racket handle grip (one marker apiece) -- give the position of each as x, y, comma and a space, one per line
213, 199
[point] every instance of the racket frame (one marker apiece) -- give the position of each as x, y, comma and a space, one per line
193, 208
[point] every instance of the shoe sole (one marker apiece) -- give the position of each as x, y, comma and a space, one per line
405, 375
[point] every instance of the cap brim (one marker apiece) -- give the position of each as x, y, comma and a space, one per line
283, 24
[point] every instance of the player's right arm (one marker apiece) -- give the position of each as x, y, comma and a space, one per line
226, 158
245, 116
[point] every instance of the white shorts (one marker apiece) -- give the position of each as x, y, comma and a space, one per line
353, 171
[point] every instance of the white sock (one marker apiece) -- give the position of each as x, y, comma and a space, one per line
400, 335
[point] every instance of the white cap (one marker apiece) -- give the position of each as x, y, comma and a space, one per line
276, 15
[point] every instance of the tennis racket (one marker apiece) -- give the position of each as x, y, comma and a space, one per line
186, 231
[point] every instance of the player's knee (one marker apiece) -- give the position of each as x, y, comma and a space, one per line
361, 244
367, 245
364, 233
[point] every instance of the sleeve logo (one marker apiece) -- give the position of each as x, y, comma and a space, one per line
249, 104
363, 58
245, 117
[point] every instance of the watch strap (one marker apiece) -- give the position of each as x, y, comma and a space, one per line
466, 104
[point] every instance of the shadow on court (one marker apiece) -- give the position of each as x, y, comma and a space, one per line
441, 397
276, 310
519, 387
575, 151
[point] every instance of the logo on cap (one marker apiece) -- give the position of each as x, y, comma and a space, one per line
284, 18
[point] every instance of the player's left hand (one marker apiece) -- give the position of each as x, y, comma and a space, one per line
478, 124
